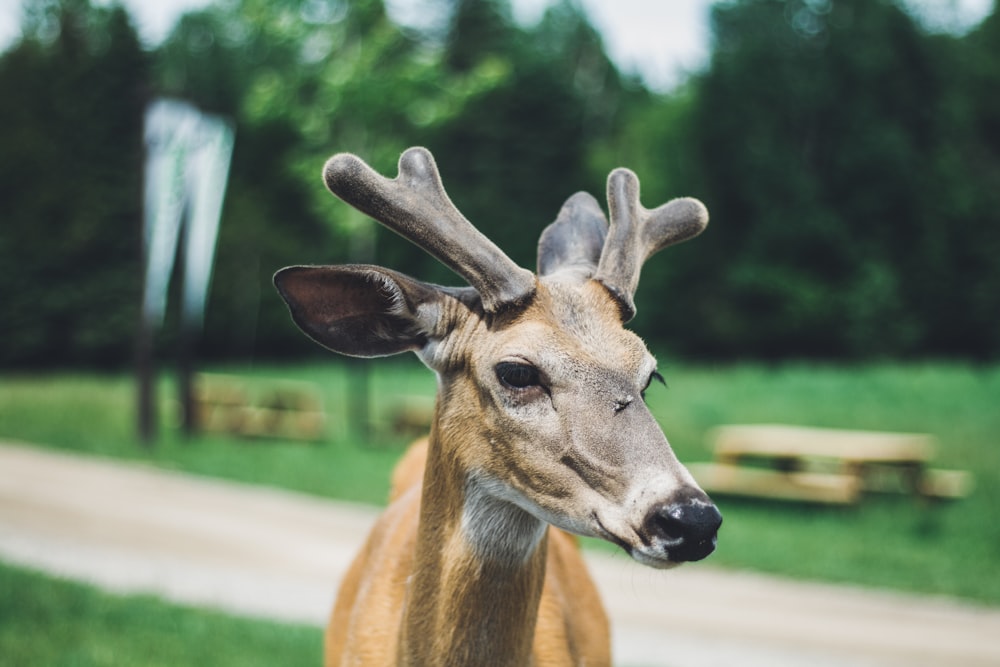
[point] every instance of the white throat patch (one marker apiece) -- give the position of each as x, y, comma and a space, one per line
496, 528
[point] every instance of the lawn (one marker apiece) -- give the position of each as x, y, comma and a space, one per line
887, 542
46, 621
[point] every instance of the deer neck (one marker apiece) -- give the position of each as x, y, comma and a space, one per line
477, 581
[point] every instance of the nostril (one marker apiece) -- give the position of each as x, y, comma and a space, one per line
687, 530
668, 524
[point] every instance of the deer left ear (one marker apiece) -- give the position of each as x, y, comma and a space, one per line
362, 311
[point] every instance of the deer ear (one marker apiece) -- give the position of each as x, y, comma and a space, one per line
361, 311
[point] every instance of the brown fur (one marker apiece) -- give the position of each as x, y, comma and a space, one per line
571, 626
539, 423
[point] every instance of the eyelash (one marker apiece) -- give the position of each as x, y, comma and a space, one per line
517, 376
653, 376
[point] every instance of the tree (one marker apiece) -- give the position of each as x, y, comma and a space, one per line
478, 29
71, 127
968, 207
302, 80
520, 148
821, 133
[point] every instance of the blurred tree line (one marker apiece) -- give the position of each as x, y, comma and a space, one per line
849, 158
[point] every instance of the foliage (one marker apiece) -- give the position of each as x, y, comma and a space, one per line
887, 542
849, 158
858, 218
299, 77
46, 621
70, 127
530, 134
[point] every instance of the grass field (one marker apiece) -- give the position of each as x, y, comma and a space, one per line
888, 542
45, 621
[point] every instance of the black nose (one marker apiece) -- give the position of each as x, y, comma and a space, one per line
687, 530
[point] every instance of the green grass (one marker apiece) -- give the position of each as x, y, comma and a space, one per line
888, 542
47, 621
96, 414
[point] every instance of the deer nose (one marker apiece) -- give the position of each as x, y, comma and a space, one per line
688, 530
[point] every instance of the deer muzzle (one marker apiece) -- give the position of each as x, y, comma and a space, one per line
687, 530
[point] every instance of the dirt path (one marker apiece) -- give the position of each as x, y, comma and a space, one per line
276, 554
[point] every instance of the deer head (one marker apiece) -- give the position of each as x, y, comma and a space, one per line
540, 405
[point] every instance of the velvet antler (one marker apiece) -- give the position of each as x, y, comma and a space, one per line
636, 233
416, 206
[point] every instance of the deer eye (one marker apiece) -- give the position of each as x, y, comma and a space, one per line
517, 376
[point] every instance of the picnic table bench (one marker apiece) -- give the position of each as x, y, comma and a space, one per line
285, 409
823, 465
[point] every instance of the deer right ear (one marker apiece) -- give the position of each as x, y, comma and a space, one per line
358, 310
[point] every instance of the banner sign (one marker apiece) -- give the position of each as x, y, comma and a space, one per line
187, 167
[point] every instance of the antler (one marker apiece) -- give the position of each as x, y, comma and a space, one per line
637, 233
416, 206
575, 240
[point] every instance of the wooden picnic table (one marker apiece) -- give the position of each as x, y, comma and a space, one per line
273, 408
823, 465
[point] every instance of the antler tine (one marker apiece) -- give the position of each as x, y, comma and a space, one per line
637, 233
416, 206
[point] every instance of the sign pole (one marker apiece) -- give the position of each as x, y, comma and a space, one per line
187, 166
146, 390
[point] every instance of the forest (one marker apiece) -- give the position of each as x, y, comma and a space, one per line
848, 155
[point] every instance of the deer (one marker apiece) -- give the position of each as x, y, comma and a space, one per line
540, 430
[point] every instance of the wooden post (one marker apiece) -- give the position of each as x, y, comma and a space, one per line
185, 379
146, 383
